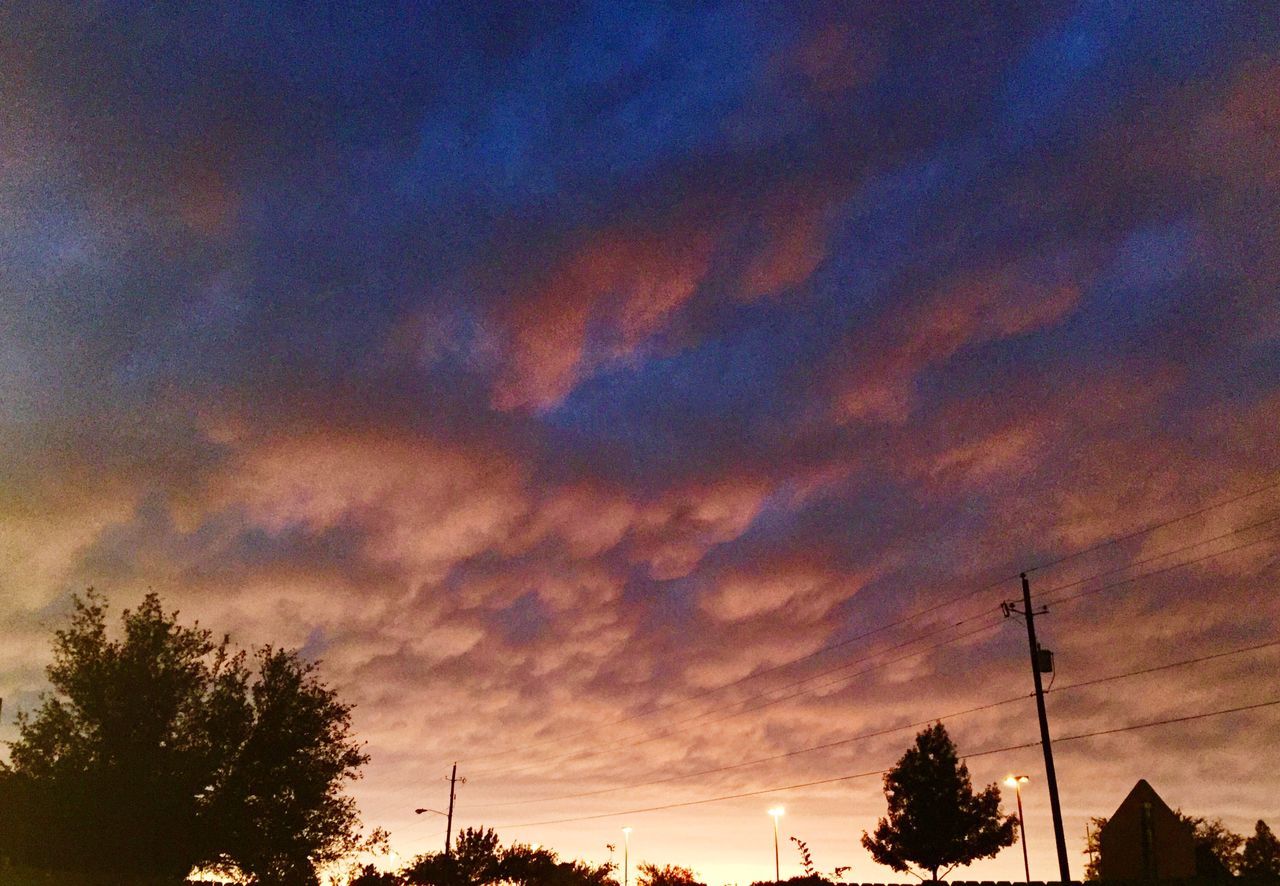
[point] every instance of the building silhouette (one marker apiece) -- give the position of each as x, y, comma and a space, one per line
1146, 840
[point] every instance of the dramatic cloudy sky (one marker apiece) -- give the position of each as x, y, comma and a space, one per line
567, 376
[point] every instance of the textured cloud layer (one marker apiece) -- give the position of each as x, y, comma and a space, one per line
561, 376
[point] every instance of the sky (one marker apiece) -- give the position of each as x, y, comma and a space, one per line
609, 392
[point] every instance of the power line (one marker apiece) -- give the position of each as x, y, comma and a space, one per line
881, 628
684, 725
887, 731
681, 725
760, 673
858, 775
1152, 527
644, 738
1169, 553
1184, 719
1160, 571
1164, 667
756, 762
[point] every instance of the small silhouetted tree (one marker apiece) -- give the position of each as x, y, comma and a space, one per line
935, 820
1093, 848
811, 871
667, 875
1260, 859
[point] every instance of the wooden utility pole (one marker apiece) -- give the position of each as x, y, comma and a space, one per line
1051, 776
448, 828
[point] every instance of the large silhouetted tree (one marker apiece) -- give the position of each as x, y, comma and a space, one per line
935, 820
161, 749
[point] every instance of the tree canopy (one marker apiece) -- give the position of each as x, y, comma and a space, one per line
163, 750
935, 820
478, 857
666, 875
1260, 859
1213, 837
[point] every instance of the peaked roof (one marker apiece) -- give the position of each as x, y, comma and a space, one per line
1142, 792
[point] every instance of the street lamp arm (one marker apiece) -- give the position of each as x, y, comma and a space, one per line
436, 811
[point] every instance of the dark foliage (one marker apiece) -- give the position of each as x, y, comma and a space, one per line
667, 875
479, 858
161, 750
935, 819
1215, 839
1260, 859
1093, 848
811, 873
371, 876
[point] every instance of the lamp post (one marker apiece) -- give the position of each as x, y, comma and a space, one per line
437, 812
777, 812
1016, 782
626, 855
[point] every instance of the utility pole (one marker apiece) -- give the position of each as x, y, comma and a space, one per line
1050, 775
448, 828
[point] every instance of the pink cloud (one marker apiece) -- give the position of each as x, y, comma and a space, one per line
431, 504
878, 367
629, 282
794, 245
836, 58
613, 292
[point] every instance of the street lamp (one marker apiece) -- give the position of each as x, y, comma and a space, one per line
777, 812
1016, 782
436, 812
626, 855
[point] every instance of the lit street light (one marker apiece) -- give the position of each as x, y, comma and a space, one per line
777, 812
1016, 782
626, 855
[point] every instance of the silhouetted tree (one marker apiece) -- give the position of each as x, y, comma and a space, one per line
1093, 848
935, 819
160, 750
667, 875
1215, 838
479, 858
281, 811
1260, 859
371, 876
